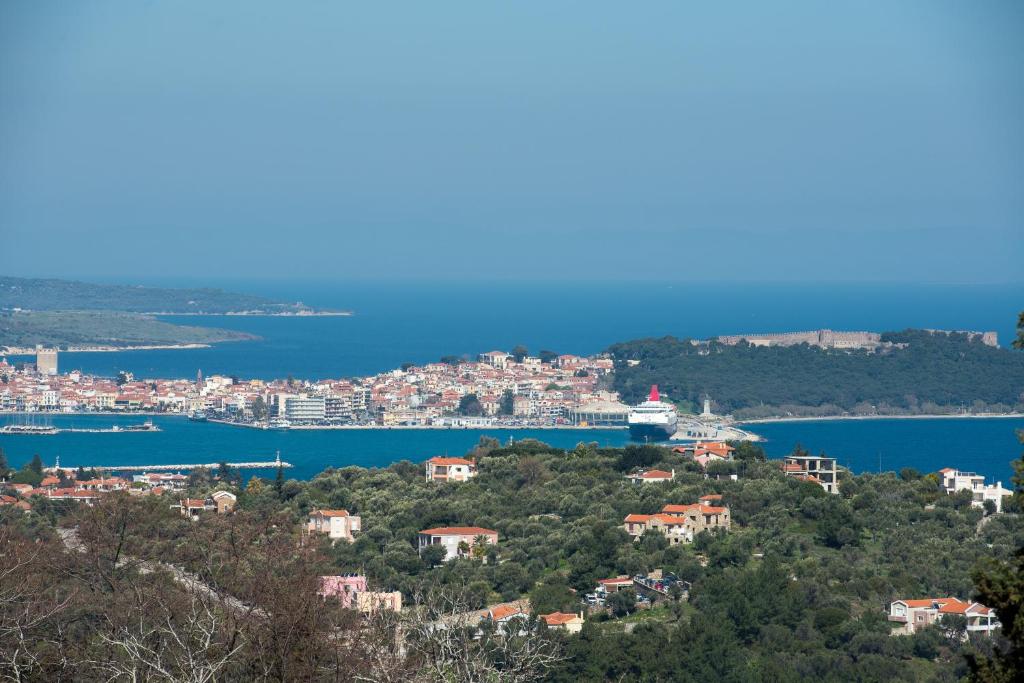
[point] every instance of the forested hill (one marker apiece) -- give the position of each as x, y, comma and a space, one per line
57, 295
933, 373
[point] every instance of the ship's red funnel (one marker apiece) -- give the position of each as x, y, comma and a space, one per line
654, 393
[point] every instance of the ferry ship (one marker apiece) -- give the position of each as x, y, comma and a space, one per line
653, 420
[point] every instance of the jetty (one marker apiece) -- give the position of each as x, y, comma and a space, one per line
254, 465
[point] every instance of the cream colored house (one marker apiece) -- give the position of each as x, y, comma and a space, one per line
337, 524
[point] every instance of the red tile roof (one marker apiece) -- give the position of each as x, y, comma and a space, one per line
329, 513
459, 531
449, 461
558, 618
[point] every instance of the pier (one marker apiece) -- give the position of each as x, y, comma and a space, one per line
255, 465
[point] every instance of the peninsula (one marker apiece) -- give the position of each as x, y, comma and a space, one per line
79, 316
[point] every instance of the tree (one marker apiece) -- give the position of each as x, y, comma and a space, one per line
279, 482
451, 360
554, 595
1018, 477
622, 602
259, 409
507, 406
36, 465
547, 356
519, 353
1018, 343
1000, 585
5, 467
470, 405
433, 555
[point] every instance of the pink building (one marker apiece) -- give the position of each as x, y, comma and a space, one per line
351, 591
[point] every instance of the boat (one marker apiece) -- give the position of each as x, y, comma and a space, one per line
653, 420
279, 424
34, 430
198, 416
146, 426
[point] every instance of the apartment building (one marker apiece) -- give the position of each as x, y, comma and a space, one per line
818, 469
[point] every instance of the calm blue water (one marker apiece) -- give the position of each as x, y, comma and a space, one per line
985, 446
402, 322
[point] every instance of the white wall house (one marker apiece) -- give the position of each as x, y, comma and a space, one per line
450, 469
452, 537
335, 523
955, 480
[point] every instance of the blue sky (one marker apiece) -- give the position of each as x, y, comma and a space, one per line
876, 141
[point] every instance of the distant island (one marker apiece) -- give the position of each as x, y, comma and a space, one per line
82, 316
913, 372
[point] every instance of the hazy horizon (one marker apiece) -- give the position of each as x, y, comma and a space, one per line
677, 142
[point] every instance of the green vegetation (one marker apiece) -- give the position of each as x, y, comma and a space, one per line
66, 295
797, 590
103, 328
933, 373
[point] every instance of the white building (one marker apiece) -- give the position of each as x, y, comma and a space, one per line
955, 480
458, 541
335, 523
814, 468
450, 469
305, 408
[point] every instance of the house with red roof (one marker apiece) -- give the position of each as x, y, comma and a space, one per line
651, 476
817, 469
458, 541
450, 469
908, 616
564, 621
679, 523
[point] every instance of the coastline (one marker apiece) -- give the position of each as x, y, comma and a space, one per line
103, 348
832, 418
260, 314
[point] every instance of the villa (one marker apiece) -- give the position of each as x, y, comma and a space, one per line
912, 615
680, 523
450, 469
337, 524
955, 480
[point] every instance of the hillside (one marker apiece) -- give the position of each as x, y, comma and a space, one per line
64, 295
933, 373
796, 590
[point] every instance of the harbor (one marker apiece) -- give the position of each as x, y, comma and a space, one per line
982, 444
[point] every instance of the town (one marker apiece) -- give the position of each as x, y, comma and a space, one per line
497, 389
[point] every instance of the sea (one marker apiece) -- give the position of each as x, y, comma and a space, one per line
397, 322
